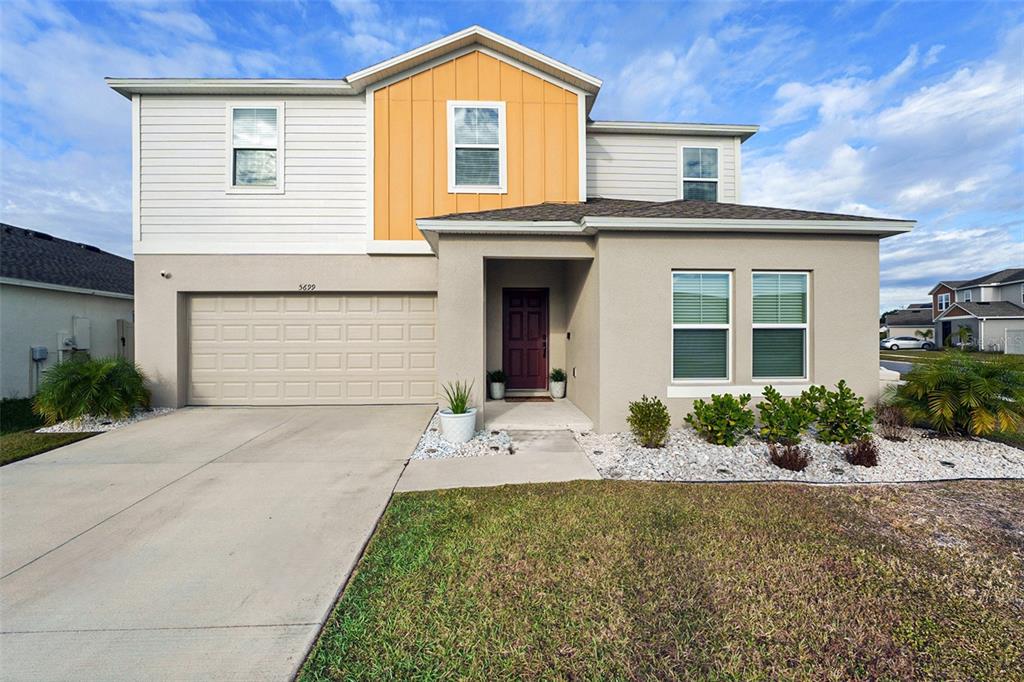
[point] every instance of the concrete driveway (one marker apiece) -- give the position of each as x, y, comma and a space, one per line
206, 544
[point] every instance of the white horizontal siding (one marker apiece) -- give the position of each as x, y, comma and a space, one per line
634, 166
184, 202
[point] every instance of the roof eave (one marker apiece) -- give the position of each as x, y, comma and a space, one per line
742, 131
538, 227
127, 87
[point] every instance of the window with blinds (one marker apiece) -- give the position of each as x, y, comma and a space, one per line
476, 147
780, 325
700, 173
254, 147
701, 325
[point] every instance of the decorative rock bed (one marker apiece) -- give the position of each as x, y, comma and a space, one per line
90, 424
687, 457
483, 443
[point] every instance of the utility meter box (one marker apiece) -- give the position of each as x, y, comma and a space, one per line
80, 330
39, 353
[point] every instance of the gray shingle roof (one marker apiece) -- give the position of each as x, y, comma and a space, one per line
991, 308
39, 257
680, 208
1001, 277
911, 317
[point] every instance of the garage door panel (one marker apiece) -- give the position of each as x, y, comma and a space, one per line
273, 349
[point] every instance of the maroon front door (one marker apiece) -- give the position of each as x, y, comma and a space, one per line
525, 338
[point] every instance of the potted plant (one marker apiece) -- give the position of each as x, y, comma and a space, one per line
458, 420
557, 386
497, 382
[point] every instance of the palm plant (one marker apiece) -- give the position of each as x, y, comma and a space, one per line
959, 394
101, 387
963, 333
925, 334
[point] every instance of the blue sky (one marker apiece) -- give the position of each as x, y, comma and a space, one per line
910, 109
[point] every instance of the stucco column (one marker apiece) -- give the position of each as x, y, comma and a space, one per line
160, 337
461, 305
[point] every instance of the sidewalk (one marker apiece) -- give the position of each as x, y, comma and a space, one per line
540, 457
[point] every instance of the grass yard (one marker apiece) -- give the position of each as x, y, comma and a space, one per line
628, 580
18, 439
932, 355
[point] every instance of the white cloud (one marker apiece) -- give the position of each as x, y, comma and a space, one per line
377, 31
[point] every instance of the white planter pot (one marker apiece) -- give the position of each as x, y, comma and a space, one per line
497, 390
557, 389
458, 428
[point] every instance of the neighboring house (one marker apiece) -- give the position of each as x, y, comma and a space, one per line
991, 307
453, 210
56, 298
910, 321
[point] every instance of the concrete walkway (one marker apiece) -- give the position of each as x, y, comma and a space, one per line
540, 457
207, 544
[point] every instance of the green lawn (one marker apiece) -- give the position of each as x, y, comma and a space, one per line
931, 355
627, 580
18, 439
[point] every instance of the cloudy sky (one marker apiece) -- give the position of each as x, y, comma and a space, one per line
907, 109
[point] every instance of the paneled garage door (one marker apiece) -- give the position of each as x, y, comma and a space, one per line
294, 349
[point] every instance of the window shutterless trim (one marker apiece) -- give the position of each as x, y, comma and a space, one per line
502, 186
940, 297
727, 327
230, 186
805, 326
683, 179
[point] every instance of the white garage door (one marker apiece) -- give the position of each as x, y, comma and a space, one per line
293, 349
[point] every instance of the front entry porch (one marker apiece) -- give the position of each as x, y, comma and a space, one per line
557, 415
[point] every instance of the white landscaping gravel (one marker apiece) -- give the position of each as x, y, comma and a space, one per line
687, 457
484, 443
90, 424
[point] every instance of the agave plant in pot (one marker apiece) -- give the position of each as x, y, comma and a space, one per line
458, 420
497, 382
557, 386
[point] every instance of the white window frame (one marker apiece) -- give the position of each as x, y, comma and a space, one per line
704, 381
231, 187
806, 326
968, 296
682, 170
943, 298
502, 186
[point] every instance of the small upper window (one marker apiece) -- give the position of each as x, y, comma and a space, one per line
255, 147
943, 301
700, 173
476, 147
968, 297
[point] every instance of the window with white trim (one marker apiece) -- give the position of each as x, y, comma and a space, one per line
943, 301
700, 173
780, 325
968, 296
476, 147
256, 139
701, 325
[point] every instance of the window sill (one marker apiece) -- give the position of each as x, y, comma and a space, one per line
254, 190
485, 189
706, 390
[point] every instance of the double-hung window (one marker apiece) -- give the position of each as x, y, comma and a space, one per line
943, 301
967, 296
700, 173
701, 326
256, 141
476, 147
780, 325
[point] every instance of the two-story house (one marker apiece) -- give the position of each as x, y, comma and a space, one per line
990, 307
454, 209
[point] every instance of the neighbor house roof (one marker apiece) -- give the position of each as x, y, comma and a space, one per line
911, 317
1007, 276
32, 256
984, 309
912, 306
681, 214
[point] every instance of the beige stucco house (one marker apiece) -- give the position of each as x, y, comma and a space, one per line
455, 210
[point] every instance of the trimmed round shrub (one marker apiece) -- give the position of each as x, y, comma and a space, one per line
649, 421
101, 387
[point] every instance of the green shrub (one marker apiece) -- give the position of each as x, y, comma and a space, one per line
784, 421
496, 377
101, 387
792, 457
959, 394
842, 417
649, 421
458, 393
724, 420
557, 374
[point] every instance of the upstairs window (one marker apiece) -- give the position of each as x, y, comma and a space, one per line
700, 173
968, 297
943, 301
476, 147
780, 325
701, 326
256, 141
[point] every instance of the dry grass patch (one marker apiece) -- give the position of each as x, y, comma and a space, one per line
630, 580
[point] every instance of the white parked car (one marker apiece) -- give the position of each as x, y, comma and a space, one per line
905, 343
